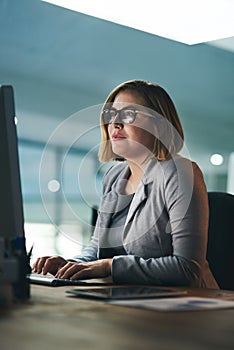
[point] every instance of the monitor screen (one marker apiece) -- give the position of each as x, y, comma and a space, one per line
11, 207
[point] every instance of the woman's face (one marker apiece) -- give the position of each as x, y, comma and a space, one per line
132, 141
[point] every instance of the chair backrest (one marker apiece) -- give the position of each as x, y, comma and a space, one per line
94, 215
220, 250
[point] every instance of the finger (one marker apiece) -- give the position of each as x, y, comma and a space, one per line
62, 270
50, 266
40, 263
67, 270
34, 267
84, 273
102, 268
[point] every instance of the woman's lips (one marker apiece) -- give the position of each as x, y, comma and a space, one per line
117, 137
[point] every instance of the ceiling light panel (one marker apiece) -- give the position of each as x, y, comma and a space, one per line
189, 22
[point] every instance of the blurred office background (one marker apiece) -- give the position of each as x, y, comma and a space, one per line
62, 64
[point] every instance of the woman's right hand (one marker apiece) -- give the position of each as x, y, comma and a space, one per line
49, 264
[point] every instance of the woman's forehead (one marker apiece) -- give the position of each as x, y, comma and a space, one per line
125, 98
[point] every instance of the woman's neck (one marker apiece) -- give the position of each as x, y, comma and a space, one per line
136, 172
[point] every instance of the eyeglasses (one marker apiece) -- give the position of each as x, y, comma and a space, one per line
125, 116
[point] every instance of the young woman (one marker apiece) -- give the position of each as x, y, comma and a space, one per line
153, 217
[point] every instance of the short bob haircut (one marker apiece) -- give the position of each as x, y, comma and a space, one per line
158, 100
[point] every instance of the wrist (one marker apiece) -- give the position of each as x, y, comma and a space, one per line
109, 266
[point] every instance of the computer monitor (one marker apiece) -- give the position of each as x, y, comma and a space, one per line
11, 208
12, 237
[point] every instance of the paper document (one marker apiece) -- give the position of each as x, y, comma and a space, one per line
176, 304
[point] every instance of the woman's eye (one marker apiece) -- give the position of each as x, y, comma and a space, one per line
129, 113
112, 114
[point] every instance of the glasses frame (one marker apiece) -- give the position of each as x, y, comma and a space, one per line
119, 114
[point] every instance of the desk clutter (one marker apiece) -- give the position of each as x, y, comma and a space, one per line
177, 304
152, 298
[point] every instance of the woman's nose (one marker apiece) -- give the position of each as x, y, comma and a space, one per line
117, 119
117, 123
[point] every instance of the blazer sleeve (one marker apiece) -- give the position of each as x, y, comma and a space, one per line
188, 226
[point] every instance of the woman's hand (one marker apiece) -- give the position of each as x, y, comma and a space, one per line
49, 264
93, 269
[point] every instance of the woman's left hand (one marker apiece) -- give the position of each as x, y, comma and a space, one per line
93, 269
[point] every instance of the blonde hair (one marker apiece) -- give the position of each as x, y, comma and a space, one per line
158, 100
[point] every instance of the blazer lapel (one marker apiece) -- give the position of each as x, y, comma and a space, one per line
139, 198
109, 203
142, 192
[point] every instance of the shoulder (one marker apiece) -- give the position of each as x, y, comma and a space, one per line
180, 165
183, 182
182, 172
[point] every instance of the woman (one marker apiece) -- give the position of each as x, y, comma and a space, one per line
153, 217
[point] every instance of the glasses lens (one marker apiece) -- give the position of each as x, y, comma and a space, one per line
108, 116
127, 116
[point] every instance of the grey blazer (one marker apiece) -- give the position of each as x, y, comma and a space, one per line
164, 237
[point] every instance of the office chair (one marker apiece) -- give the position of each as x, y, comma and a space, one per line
94, 215
220, 249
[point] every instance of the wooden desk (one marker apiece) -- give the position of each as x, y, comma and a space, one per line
53, 320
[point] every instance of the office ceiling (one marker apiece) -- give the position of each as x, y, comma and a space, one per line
60, 62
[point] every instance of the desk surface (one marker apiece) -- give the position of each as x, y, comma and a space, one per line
53, 320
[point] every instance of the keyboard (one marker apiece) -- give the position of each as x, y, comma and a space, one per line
55, 282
